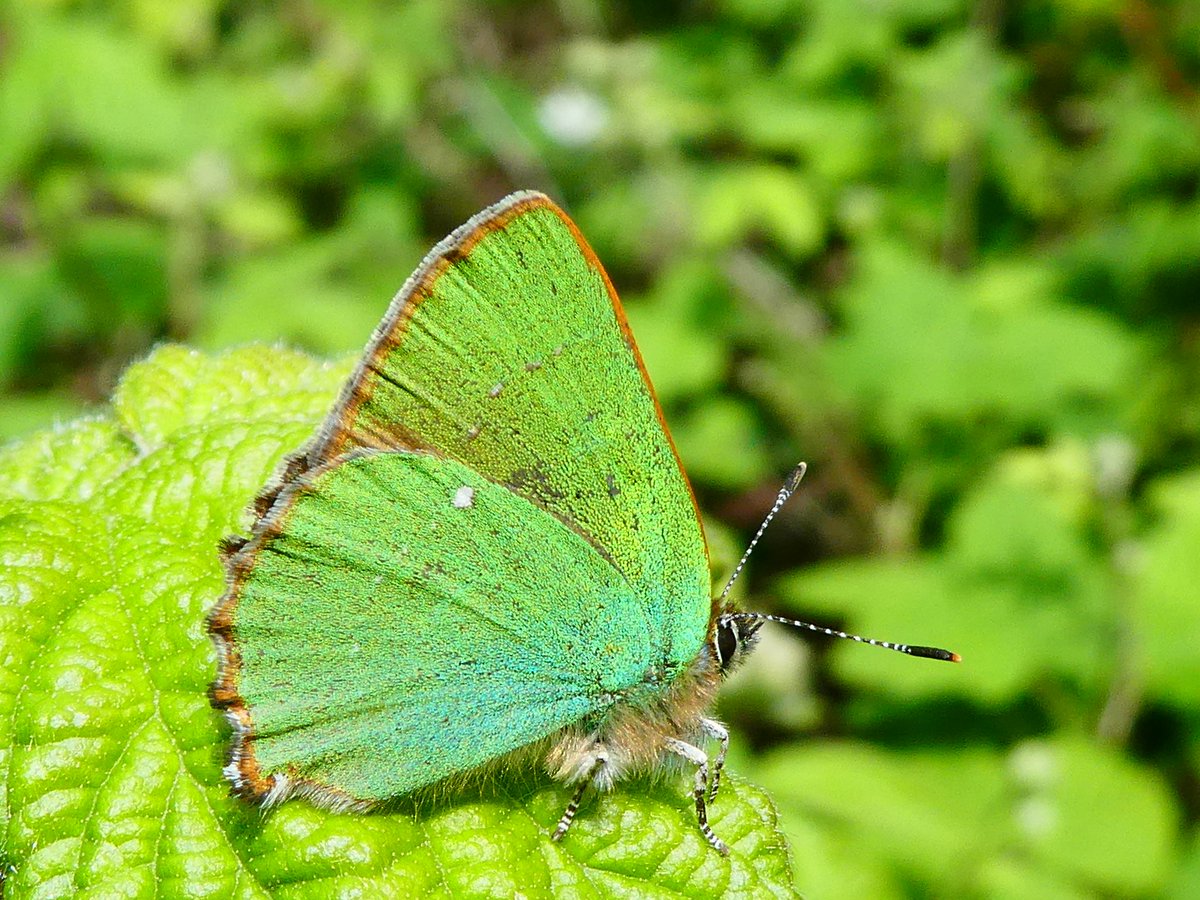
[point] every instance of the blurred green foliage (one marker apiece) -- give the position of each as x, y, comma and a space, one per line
947, 251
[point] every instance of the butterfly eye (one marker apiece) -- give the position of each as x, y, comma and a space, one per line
727, 643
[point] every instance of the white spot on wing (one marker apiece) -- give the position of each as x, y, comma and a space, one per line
464, 497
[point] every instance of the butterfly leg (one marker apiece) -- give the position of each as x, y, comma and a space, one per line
718, 732
568, 816
699, 758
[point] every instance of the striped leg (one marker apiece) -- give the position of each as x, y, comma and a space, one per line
699, 758
568, 815
715, 730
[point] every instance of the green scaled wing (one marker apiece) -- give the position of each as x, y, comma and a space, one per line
385, 633
376, 637
508, 350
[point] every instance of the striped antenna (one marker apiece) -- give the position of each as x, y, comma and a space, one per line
789, 487
910, 649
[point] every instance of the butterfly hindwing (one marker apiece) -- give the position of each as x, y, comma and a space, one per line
384, 628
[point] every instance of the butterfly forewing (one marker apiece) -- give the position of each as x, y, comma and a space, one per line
508, 351
385, 635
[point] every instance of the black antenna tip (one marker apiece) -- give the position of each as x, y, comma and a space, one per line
793, 479
934, 653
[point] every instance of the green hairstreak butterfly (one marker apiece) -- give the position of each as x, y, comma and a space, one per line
489, 546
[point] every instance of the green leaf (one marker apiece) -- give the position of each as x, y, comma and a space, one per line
950, 92
721, 443
839, 141
334, 284
1016, 575
110, 755
1165, 607
737, 202
926, 347
1086, 813
679, 330
1187, 879
1043, 818
106, 89
25, 412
